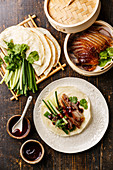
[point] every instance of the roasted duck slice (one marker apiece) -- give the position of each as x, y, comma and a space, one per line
87, 45
99, 29
71, 110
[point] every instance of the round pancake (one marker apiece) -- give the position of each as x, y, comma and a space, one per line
21, 35
52, 61
69, 91
58, 49
47, 53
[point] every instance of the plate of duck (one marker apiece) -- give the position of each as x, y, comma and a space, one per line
90, 52
69, 110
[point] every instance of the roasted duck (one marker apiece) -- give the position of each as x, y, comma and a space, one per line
86, 46
72, 111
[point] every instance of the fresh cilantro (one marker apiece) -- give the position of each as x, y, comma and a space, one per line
110, 51
16, 53
33, 56
103, 62
73, 99
83, 103
1, 62
10, 44
105, 56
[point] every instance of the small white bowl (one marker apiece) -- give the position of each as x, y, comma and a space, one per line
80, 26
34, 161
81, 71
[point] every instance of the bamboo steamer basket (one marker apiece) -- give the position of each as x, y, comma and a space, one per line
95, 72
76, 17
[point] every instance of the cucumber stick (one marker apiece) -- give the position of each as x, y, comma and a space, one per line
9, 77
23, 72
55, 110
30, 76
5, 76
11, 80
49, 108
21, 77
57, 100
16, 78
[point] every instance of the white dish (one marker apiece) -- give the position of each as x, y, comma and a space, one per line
93, 132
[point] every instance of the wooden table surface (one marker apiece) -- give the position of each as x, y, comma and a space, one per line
100, 156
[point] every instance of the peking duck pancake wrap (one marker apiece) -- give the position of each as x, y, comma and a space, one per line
66, 111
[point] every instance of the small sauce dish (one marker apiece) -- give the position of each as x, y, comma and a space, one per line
32, 151
17, 134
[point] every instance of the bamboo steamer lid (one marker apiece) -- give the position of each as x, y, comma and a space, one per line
72, 17
68, 14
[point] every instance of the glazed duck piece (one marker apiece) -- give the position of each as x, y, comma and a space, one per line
72, 111
87, 45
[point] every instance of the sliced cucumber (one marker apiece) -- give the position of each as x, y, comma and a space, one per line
55, 110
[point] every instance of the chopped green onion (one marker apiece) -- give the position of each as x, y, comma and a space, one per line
46, 114
66, 131
48, 107
9, 77
57, 100
55, 111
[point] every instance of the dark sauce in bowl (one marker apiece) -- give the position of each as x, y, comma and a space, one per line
17, 132
32, 151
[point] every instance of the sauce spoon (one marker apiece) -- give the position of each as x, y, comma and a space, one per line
19, 124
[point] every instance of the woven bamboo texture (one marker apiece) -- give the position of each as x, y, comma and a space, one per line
29, 22
71, 12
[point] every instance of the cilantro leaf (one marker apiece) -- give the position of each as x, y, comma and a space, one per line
10, 44
110, 51
33, 56
104, 55
73, 99
83, 103
1, 62
16, 53
103, 62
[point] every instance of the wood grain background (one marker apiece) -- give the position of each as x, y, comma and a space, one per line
97, 158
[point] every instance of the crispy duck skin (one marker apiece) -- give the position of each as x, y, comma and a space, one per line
73, 113
75, 122
100, 30
87, 45
89, 67
70, 124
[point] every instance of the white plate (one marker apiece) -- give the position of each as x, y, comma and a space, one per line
94, 131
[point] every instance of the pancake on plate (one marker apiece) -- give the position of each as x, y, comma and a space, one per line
66, 111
